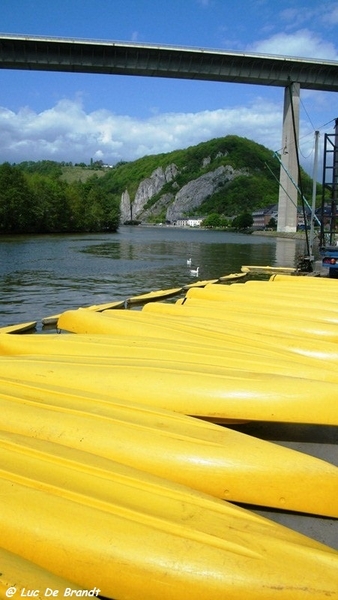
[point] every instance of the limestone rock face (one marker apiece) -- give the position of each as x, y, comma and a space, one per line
193, 193
171, 172
148, 188
125, 207
158, 208
179, 201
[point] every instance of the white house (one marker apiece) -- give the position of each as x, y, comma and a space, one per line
194, 221
181, 222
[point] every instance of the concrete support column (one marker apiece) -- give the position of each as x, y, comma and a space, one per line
288, 195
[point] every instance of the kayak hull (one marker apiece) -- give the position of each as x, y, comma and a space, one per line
145, 533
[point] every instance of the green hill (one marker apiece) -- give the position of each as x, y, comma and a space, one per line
255, 186
225, 176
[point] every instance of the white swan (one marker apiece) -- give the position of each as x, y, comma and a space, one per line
189, 262
194, 271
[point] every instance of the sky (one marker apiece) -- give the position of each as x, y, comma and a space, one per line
82, 117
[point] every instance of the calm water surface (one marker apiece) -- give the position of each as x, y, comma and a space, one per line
44, 275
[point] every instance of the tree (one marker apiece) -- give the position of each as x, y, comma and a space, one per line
51, 206
16, 205
212, 220
272, 223
243, 221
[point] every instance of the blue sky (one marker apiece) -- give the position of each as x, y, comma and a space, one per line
76, 117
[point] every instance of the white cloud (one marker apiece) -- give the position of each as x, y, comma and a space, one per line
67, 133
302, 43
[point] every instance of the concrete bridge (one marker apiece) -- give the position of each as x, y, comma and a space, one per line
149, 60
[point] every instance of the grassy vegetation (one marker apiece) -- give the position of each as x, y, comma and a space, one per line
76, 173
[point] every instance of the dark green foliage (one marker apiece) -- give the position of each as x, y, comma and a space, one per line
246, 192
242, 221
16, 202
215, 220
34, 199
43, 167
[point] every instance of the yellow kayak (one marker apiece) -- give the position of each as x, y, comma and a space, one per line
309, 297
263, 292
135, 300
193, 325
212, 459
259, 302
153, 296
232, 277
109, 527
283, 286
241, 356
201, 283
214, 393
52, 319
149, 322
131, 323
106, 306
317, 281
267, 319
254, 339
19, 328
20, 575
267, 269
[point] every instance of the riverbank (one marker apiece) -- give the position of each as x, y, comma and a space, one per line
296, 235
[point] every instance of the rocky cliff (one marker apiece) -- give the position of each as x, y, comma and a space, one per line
179, 201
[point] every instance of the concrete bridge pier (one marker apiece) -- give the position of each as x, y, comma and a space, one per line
288, 195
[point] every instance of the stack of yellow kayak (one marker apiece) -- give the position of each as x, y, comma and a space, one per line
201, 383
111, 486
110, 526
216, 460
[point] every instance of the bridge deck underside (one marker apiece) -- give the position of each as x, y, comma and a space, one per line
161, 61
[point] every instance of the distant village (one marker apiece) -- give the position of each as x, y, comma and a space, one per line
262, 218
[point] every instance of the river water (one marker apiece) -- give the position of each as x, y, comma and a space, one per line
44, 275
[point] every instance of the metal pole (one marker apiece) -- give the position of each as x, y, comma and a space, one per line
314, 194
334, 188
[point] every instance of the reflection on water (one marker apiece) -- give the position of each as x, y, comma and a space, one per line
286, 251
43, 275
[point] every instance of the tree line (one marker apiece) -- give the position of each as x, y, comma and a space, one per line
35, 199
